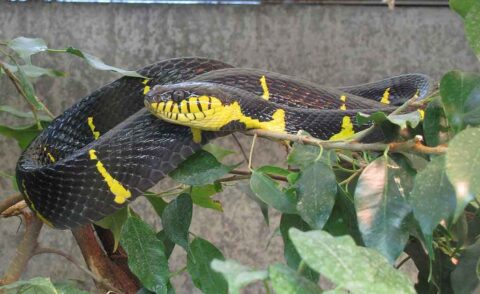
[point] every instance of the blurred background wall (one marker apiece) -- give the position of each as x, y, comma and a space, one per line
335, 45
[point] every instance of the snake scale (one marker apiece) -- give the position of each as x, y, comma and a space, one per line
108, 148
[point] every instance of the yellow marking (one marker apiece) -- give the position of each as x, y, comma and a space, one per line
266, 92
183, 106
197, 135
168, 105
204, 103
50, 156
343, 98
220, 115
147, 87
175, 108
346, 131
422, 113
343, 107
386, 96
120, 192
192, 102
92, 127
32, 206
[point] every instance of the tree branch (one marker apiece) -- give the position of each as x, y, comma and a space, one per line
414, 146
10, 201
25, 250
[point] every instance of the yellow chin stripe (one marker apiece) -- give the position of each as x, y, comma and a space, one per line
39, 215
196, 134
386, 96
266, 92
347, 130
146, 89
120, 192
96, 134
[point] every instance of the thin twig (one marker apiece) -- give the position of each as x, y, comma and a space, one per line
413, 146
251, 152
25, 249
43, 250
10, 201
245, 157
249, 173
399, 265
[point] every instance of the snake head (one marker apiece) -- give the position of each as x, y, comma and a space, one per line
194, 104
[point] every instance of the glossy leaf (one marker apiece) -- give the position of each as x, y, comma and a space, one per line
351, 267
22, 134
38, 285
463, 166
157, 203
114, 223
201, 168
287, 280
69, 287
411, 119
169, 245
269, 192
382, 208
316, 191
472, 27
290, 254
202, 196
303, 155
21, 114
465, 277
28, 89
198, 265
97, 63
217, 151
25, 47
461, 99
176, 219
432, 198
435, 123
237, 275
146, 254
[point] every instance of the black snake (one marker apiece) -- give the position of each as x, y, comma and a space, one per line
108, 149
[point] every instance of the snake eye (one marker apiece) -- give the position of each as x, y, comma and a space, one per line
178, 96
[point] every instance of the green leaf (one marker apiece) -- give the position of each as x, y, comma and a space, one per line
26, 47
465, 278
217, 151
95, 62
290, 254
22, 114
303, 155
114, 223
273, 170
269, 192
286, 280
201, 168
432, 198
461, 7
38, 285
146, 254
176, 219
316, 191
402, 120
201, 196
472, 27
237, 275
33, 71
157, 203
169, 245
354, 268
463, 167
27, 88
435, 123
460, 92
22, 134
69, 287
198, 265
382, 208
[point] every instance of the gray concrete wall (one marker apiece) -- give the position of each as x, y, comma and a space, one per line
334, 45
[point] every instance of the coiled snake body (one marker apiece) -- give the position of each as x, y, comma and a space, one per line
108, 149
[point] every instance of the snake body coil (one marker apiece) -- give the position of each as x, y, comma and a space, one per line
108, 149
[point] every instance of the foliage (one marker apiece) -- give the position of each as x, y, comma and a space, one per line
346, 215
